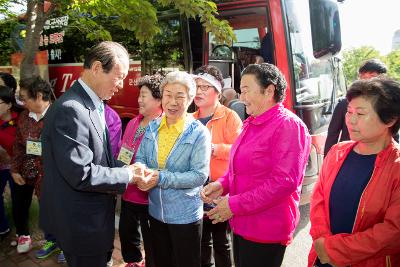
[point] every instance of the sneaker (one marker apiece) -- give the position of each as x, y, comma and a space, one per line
61, 257
14, 242
47, 249
24, 244
110, 263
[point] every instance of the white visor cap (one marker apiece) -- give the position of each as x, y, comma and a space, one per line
209, 78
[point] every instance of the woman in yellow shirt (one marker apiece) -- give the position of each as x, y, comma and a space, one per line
175, 152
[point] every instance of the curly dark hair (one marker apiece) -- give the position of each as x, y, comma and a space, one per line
7, 95
9, 80
153, 83
384, 95
213, 71
267, 74
35, 85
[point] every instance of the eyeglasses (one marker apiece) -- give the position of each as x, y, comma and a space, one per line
204, 87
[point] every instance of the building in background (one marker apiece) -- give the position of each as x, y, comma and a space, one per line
396, 40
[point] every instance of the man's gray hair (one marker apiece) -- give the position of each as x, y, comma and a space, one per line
106, 53
182, 78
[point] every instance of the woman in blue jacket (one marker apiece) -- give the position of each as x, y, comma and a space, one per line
175, 153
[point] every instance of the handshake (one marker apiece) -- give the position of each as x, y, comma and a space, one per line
143, 177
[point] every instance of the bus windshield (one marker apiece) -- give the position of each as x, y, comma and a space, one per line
313, 77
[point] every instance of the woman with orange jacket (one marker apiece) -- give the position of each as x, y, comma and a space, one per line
224, 125
355, 207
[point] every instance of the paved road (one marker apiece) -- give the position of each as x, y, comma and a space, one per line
297, 252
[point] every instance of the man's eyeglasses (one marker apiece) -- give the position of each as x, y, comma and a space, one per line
204, 87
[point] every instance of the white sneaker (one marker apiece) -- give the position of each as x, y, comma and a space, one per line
24, 244
110, 263
14, 242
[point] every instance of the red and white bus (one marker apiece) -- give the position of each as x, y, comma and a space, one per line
301, 37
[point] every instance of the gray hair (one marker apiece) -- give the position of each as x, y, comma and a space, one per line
107, 53
182, 78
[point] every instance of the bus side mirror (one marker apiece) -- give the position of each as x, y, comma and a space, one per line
325, 27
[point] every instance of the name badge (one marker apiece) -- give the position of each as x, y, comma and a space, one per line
125, 155
33, 147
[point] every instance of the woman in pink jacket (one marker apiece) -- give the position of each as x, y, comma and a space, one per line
266, 169
134, 203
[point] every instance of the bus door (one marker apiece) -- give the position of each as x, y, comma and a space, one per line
318, 79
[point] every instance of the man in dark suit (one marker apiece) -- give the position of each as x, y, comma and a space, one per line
81, 176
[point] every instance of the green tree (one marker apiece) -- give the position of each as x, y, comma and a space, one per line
137, 16
6, 49
393, 62
352, 59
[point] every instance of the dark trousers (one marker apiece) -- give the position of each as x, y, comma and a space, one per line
252, 254
132, 216
176, 245
215, 236
86, 261
22, 202
5, 177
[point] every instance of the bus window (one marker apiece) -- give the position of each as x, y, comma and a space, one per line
313, 77
247, 38
166, 52
250, 26
246, 47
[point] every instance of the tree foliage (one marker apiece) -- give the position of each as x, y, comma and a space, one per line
6, 49
393, 62
352, 59
136, 16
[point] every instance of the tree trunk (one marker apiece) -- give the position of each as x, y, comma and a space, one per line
35, 22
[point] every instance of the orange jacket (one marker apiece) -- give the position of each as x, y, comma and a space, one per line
225, 127
375, 240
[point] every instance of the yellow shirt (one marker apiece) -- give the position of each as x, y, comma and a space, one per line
167, 137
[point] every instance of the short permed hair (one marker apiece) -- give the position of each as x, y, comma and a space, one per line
384, 95
9, 80
183, 78
267, 74
35, 85
7, 95
152, 82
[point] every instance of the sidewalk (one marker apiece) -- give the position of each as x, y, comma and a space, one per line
10, 258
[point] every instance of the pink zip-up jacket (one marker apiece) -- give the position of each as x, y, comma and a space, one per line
266, 170
133, 193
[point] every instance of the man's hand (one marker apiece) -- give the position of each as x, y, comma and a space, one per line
211, 192
18, 178
138, 171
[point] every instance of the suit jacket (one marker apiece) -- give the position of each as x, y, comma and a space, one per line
81, 176
337, 126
